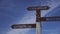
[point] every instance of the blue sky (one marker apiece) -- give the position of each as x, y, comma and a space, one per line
15, 12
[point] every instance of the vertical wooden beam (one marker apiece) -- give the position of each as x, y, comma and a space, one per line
38, 24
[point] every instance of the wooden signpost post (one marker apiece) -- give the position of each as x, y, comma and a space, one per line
38, 24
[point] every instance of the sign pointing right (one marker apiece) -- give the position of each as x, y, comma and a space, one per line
57, 18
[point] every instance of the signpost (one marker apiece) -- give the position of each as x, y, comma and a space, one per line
38, 15
38, 25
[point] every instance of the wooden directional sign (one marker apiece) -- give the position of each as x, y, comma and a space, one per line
20, 26
38, 7
57, 18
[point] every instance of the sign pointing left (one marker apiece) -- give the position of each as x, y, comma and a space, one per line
20, 26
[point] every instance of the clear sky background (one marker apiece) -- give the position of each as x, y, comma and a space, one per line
15, 12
